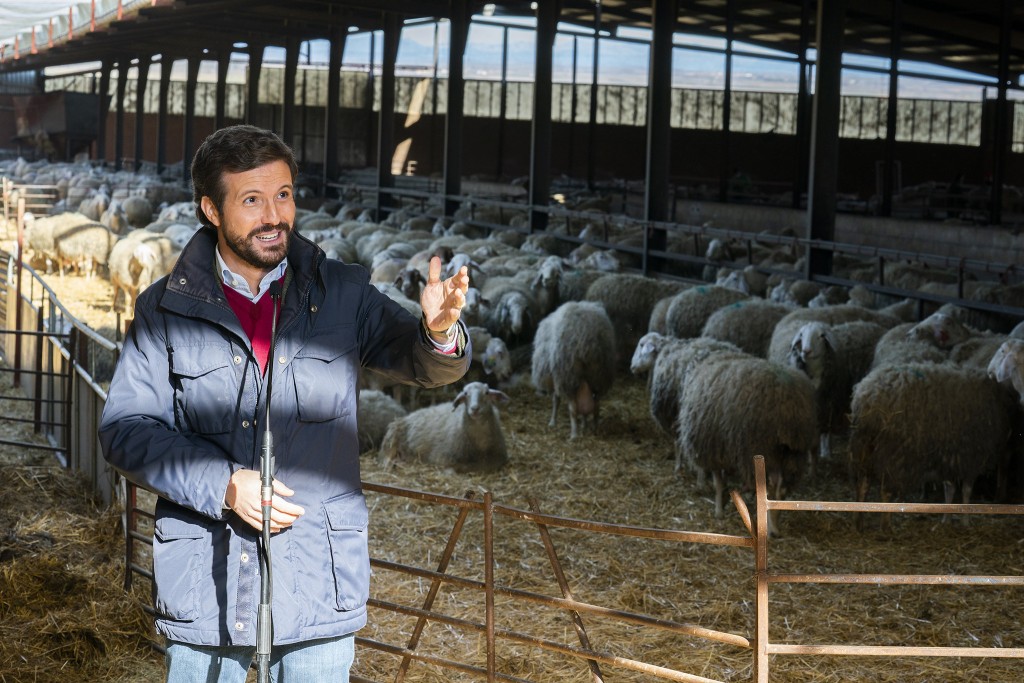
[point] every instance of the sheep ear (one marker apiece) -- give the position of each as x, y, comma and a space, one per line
459, 400
497, 396
829, 340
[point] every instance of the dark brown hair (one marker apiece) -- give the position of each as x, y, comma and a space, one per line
234, 149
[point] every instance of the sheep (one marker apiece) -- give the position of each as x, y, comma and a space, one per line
913, 422
666, 360
491, 357
782, 336
138, 211
659, 313
573, 356
376, 411
83, 247
136, 261
513, 314
748, 324
628, 300
835, 358
690, 309
795, 292
466, 435
895, 347
732, 408
39, 233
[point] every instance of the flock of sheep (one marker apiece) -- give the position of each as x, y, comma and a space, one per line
742, 357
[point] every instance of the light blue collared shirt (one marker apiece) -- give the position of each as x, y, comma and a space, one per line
239, 283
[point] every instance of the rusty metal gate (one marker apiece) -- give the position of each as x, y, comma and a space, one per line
50, 360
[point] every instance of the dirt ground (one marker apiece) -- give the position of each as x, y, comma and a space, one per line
624, 475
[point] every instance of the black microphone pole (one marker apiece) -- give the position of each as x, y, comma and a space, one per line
264, 623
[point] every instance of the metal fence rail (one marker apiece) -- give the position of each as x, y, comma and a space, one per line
765, 577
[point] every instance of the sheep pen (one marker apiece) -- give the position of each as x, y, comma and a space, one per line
623, 475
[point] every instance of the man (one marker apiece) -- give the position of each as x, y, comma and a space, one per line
187, 408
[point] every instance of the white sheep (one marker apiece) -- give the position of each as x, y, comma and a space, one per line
913, 422
573, 357
735, 407
835, 358
375, 413
748, 324
628, 300
136, 261
465, 435
491, 357
82, 247
665, 360
782, 336
690, 309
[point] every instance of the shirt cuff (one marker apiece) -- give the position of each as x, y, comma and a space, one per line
450, 346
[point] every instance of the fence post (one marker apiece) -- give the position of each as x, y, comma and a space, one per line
17, 292
761, 569
37, 402
489, 582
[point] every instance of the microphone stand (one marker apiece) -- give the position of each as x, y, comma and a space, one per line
264, 623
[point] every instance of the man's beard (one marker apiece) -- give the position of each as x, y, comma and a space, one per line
247, 248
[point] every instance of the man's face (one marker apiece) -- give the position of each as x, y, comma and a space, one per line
255, 221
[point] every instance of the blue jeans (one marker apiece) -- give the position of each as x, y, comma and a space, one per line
309, 662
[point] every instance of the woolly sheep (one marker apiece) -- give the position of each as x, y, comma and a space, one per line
376, 411
835, 358
82, 247
465, 435
136, 261
895, 347
733, 408
138, 211
691, 308
782, 336
794, 292
573, 353
491, 357
665, 360
39, 234
512, 314
628, 299
913, 422
748, 324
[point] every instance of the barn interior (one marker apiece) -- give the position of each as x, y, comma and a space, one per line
859, 153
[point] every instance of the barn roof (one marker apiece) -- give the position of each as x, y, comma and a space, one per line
964, 34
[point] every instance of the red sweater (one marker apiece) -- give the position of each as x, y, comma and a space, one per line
256, 319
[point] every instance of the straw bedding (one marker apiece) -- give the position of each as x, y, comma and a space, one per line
64, 615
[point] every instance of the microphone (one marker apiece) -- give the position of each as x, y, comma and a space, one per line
264, 622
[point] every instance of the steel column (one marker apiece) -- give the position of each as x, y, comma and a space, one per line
161, 120
291, 66
821, 199
253, 82
101, 117
548, 12
659, 133
888, 171
803, 105
122, 84
456, 102
386, 117
223, 62
332, 117
188, 145
725, 170
140, 109
1000, 139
